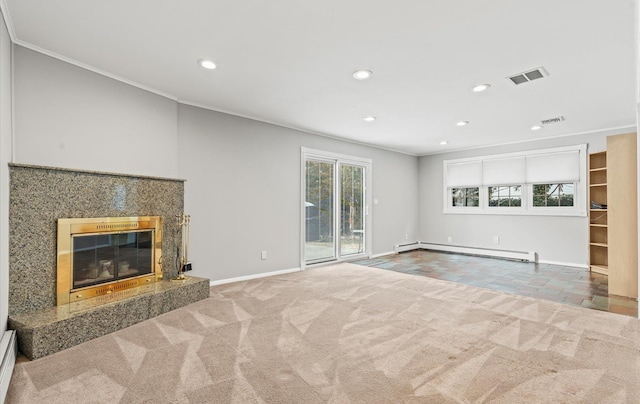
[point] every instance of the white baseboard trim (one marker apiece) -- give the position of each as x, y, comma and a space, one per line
518, 255
9, 351
398, 248
256, 276
382, 254
564, 264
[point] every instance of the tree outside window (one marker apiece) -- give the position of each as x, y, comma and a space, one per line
506, 196
553, 195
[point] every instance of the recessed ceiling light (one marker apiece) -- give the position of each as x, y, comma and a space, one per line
369, 118
536, 127
362, 74
462, 123
444, 142
481, 87
207, 64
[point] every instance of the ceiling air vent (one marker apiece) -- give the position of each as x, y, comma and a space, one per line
553, 120
531, 75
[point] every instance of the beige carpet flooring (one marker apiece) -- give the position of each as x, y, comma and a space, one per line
350, 334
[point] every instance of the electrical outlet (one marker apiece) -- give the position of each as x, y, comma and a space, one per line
406, 237
496, 240
449, 239
264, 254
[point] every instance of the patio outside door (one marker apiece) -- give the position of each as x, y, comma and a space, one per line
334, 206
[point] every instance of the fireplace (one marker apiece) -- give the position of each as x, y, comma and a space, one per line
39, 197
101, 256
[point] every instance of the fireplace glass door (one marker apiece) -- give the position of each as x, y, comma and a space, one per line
107, 257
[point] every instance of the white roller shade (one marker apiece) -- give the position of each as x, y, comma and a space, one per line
506, 171
464, 174
553, 167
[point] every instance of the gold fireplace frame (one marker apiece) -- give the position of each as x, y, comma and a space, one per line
67, 228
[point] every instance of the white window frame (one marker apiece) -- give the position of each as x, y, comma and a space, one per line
451, 196
558, 210
579, 207
512, 209
482, 192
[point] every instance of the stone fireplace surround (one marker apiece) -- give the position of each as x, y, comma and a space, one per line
41, 195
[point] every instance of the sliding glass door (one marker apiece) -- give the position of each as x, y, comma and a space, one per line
319, 211
352, 238
334, 208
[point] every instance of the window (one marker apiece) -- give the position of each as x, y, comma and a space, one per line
553, 195
510, 195
534, 182
465, 197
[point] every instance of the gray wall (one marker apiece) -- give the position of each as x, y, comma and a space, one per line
243, 192
69, 117
243, 176
556, 239
5, 158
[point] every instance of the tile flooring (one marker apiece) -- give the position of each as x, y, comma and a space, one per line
569, 285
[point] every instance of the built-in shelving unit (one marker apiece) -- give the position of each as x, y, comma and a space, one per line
613, 214
598, 223
622, 215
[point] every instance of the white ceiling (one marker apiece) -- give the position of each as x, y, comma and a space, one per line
290, 62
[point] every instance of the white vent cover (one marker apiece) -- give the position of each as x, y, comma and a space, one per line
557, 119
528, 76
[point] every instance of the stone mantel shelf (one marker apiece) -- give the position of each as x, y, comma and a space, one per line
73, 170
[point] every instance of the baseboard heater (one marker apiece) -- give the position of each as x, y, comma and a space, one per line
8, 350
529, 256
407, 247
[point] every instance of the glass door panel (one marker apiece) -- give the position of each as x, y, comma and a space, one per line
352, 210
319, 211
